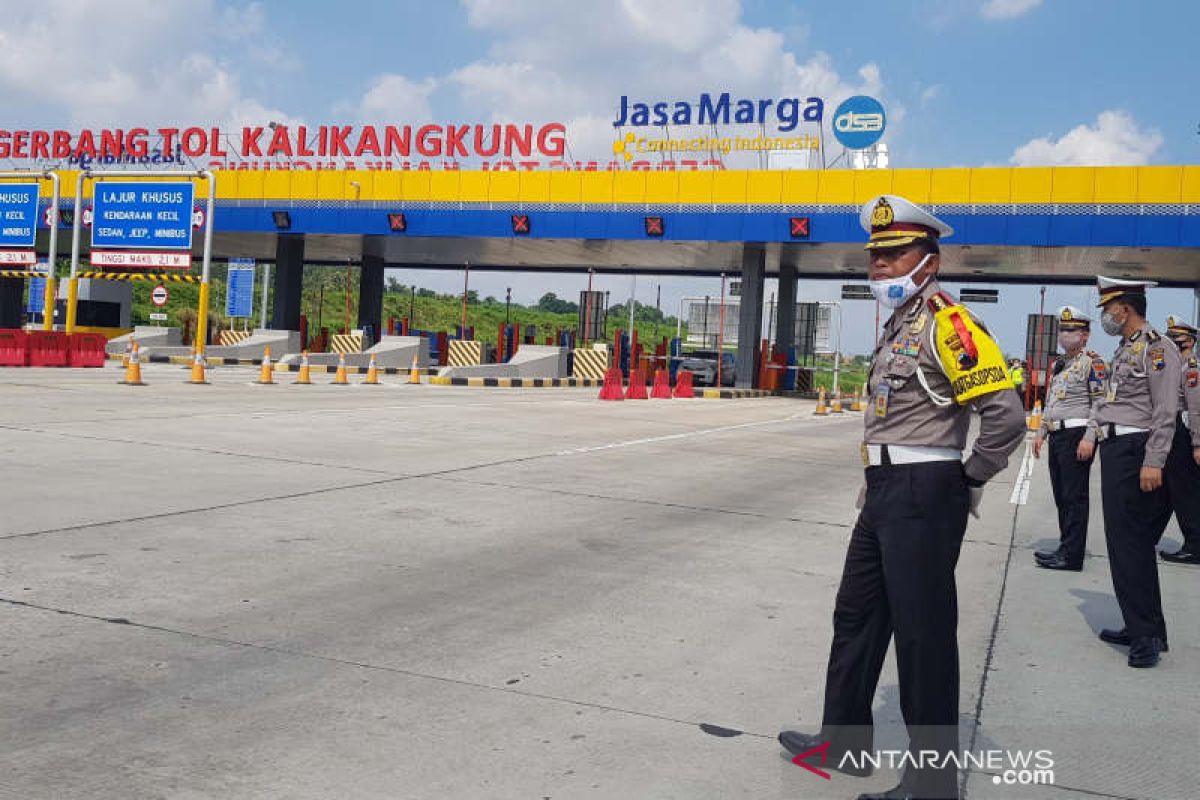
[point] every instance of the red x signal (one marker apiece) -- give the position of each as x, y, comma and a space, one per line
799, 227
654, 226
520, 223
397, 222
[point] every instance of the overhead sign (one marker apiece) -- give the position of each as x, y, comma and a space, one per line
856, 291
110, 258
18, 214
159, 295
239, 288
859, 122
143, 216
968, 295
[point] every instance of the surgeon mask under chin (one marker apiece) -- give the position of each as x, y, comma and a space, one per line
1112, 326
895, 292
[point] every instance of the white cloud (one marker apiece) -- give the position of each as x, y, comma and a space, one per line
1114, 139
1007, 9
122, 62
393, 97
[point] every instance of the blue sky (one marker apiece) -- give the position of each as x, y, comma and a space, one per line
966, 83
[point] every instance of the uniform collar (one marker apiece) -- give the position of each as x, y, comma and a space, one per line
1133, 337
913, 308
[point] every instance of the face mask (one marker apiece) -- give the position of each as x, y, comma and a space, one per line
895, 292
1112, 326
1070, 340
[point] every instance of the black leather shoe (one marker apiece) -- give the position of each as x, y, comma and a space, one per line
796, 743
1122, 638
1144, 650
1181, 556
1040, 554
1060, 561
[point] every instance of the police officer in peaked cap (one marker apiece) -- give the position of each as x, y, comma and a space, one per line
1134, 422
1182, 472
934, 362
1076, 384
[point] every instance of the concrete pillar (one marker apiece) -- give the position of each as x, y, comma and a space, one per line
754, 268
785, 312
11, 302
370, 294
288, 277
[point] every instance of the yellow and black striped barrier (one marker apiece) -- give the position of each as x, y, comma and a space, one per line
230, 338
158, 277
590, 364
21, 273
464, 354
346, 343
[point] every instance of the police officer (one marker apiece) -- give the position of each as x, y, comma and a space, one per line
1016, 373
1077, 382
1182, 473
1135, 424
934, 362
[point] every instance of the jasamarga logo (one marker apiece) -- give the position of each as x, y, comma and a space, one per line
785, 113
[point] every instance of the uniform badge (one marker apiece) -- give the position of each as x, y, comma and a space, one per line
1158, 359
1138, 347
882, 215
881, 399
908, 346
1193, 379
918, 324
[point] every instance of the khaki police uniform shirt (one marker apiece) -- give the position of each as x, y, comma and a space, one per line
902, 411
1189, 396
1143, 392
1075, 388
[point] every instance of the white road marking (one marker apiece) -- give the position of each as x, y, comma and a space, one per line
1020, 492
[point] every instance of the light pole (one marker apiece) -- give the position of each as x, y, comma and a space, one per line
507, 303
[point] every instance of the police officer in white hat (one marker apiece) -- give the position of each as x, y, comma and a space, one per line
1134, 422
1077, 382
1182, 472
934, 362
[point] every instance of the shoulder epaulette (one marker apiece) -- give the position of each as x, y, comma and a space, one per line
941, 301
1153, 335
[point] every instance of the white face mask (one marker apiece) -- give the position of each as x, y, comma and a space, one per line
895, 292
1112, 326
1070, 341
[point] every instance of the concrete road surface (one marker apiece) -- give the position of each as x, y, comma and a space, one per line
240, 591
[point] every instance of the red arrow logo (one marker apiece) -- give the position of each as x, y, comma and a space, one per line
823, 750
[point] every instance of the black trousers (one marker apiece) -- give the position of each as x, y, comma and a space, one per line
1069, 479
1182, 477
898, 580
1133, 522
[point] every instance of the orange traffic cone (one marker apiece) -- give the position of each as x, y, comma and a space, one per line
133, 370
339, 377
821, 409
414, 374
198, 368
372, 373
662, 385
1035, 418
266, 374
304, 377
612, 385
684, 389
637, 386
835, 406
128, 349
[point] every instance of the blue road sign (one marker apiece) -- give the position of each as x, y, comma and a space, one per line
18, 214
142, 216
239, 288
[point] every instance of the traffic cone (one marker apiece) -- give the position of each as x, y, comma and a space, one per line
414, 374
128, 349
612, 385
821, 409
856, 403
339, 377
372, 373
637, 386
1035, 418
133, 370
266, 374
835, 407
662, 385
198, 368
304, 378
684, 390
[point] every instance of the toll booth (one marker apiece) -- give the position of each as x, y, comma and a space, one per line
103, 306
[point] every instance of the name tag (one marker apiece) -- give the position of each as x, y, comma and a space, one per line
882, 391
